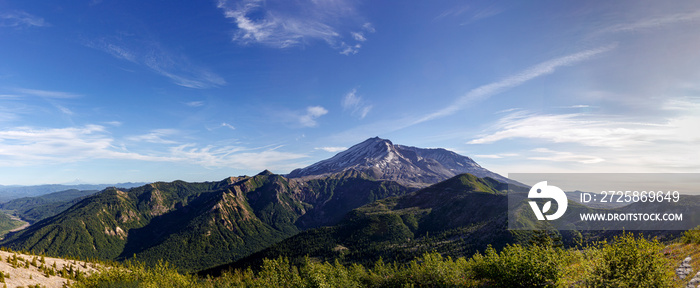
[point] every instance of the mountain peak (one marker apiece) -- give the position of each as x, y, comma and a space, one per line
265, 173
412, 166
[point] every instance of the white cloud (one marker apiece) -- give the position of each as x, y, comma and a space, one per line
283, 24
25, 146
195, 103
358, 36
608, 143
230, 156
355, 104
332, 149
588, 130
115, 50
651, 23
313, 112
228, 126
64, 110
369, 27
487, 12
155, 136
47, 93
533, 72
181, 71
496, 156
29, 146
177, 67
453, 12
479, 93
19, 19
346, 49
560, 156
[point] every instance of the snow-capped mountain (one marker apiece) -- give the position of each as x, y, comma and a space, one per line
407, 165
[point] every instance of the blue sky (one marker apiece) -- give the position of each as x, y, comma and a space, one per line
114, 91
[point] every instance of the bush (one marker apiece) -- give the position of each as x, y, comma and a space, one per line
328, 275
137, 275
517, 266
278, 273
431, 270
691, 236
631, 262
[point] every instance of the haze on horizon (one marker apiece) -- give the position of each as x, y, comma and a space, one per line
134, 91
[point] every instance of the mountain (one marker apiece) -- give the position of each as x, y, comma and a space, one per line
411, 166
8, 193
34, 209
455, 217
199, 225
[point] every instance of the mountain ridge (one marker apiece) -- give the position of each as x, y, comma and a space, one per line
411, 166
457, 216
223, 221
217, 221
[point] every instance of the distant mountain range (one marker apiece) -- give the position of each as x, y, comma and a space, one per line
410, 166
201, 225
34, 209
8, 193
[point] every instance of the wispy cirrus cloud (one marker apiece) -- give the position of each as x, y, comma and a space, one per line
564, 156
470, 13
232, 156
195, 103
283, 24
64, 110
332, 149
27, 146
485, 91
52, 97
155, 136
652, 23
21, 19
496, 156
477, 94
229, 126
46, 93
355, 104
176, 67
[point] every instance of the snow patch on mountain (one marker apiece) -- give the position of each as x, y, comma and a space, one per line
412, 166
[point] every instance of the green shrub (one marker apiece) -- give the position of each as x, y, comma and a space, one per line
631, 261
430, 270
691, 236
137, 275
328, 275
278, 273
518, 266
